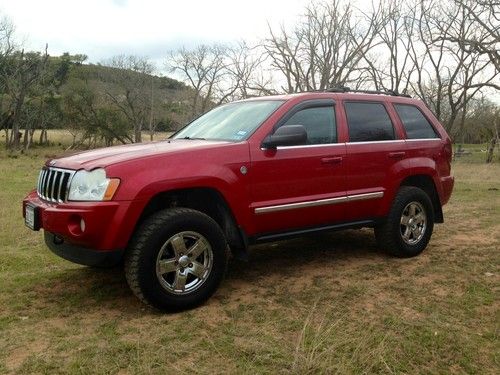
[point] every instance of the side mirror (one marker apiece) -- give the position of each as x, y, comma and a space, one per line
287, 135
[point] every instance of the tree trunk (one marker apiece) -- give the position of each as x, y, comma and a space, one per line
137, 134
26, 140
462, 124
16, 139
491, 149
43, 137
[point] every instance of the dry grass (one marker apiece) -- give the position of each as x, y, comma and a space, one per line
60, 139
332, 303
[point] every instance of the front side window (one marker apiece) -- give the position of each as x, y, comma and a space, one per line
368, 122
319, 123
414, 122
230, 122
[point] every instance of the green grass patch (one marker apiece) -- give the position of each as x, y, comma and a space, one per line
331, 303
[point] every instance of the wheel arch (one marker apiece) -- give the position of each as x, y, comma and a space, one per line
426, 183
204, 199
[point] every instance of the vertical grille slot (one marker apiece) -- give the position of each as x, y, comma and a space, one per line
53, 184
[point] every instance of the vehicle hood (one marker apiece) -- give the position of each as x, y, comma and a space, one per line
117, 154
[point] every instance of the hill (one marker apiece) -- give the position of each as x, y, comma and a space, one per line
108, 103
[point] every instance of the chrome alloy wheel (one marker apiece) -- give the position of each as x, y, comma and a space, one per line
184, 262
413, 223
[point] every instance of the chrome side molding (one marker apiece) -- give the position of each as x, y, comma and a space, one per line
319, 202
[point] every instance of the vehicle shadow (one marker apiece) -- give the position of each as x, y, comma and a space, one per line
285, 257
92, 290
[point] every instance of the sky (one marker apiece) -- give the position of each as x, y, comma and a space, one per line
148, 28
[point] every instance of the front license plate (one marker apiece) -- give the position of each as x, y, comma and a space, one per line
30, 217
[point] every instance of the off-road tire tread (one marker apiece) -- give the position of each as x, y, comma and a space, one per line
389, 239
138, 242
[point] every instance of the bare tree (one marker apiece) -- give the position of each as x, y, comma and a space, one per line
204, 69
390, 62
484, 36
447, 77
131, 92
326, 48
247, 72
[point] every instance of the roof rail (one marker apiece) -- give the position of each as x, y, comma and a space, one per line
347, 89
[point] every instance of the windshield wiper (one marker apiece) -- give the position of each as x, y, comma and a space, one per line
194, 138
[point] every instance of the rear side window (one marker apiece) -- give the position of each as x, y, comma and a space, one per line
319, 123
414, 122
368, 122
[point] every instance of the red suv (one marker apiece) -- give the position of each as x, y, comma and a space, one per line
247, 172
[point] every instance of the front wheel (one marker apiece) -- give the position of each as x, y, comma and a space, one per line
176, 260
408, 228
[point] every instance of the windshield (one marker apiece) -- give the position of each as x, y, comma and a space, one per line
230, 122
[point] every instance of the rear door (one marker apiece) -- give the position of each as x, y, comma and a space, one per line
375, 153
304, 185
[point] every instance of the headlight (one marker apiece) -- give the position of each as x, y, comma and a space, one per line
92, 186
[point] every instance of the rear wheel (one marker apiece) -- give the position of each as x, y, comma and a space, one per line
408, 228
176, 259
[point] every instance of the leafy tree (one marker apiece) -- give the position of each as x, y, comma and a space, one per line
131, 92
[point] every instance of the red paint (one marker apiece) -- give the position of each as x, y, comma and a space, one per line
275, 177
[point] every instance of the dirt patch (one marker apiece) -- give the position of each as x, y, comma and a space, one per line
16, 357
474, 238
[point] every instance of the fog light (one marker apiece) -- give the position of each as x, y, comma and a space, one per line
57, 240
76, 225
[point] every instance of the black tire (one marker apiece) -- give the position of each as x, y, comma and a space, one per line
390, 233
153, 237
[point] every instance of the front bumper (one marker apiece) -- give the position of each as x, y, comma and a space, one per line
82, 255
107, 225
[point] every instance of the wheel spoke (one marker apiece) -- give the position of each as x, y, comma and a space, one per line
416, 233
198, 248
412, 210
420, 218
407, 234
197, 270
405, 220
180, 280
178, 245
167, 266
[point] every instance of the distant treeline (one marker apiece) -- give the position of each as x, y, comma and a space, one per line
446, 52
97, 104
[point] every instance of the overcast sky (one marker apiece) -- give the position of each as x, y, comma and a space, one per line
101, 29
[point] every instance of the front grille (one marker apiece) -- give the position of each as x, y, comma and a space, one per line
53, 184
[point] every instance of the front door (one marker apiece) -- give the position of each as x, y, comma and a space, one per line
304, 185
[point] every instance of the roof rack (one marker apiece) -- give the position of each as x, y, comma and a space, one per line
347, 89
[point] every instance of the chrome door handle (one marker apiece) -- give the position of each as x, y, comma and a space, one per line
397, 155
332, 160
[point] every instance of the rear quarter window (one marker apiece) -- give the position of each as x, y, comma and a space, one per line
415, 123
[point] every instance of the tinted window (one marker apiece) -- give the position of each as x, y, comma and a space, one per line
319, 123
368, 122
414, 122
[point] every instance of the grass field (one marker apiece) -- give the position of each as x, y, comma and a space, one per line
332, 303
